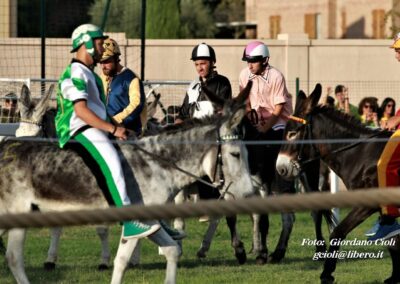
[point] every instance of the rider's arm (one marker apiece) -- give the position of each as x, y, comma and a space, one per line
89, 117
272, 120
136, 102
392, 123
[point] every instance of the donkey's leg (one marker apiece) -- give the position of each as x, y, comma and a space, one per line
287, 226
15, 255
352, 220
102, 232
125, 250
52, 253
263, 227
395, 255
237, 244
207, 238
2, 245
317, 218
179, 223
256, 245
171, 251
135, 258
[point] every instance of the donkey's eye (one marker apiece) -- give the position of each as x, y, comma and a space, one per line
291, 135
236, 155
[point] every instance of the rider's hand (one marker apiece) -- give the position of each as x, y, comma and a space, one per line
120, 132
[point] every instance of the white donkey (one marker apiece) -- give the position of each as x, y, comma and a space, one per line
38, 121
156, 170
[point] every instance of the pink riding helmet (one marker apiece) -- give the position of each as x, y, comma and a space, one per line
255, 51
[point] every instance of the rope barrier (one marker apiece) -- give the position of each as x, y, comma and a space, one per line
371, 198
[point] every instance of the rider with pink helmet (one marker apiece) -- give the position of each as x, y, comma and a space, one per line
269, 106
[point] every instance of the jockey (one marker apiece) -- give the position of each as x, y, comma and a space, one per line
388, 171
269, 106
195, 103
81, 115
126, 101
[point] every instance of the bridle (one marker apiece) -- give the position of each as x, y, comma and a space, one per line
218, 176
307, 135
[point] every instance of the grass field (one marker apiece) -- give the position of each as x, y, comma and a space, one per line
80, 253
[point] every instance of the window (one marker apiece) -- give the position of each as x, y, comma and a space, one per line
312, 25
378, 24
274, 26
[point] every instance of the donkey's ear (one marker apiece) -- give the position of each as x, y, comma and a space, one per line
25, 97
236, 117
300, 98
152, 107
313, 99
41, 106
316, 95
244, 94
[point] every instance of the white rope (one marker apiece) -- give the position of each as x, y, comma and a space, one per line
371, 198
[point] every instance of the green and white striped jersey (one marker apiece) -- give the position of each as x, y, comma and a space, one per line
76, 83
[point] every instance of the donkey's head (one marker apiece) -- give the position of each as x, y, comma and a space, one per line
228, 163
297, 129
32, 113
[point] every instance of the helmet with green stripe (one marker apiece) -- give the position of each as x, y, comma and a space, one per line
85, 34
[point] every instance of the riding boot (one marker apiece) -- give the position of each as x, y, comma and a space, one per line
136, 229
174, 234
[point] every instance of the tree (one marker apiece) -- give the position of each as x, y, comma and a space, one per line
162, 19
123, 16
196, 20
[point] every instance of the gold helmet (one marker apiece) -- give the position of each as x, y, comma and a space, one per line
396, 43
111, 49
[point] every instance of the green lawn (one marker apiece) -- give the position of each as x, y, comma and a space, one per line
80, 253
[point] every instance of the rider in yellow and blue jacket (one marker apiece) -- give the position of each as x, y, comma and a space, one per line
125, 98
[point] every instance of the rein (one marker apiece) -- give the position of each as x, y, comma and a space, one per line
218, 167
308, 123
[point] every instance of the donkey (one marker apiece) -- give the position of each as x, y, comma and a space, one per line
154, 175
37, 120
315, 122
263, 184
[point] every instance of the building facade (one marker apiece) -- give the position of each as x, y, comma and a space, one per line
323, 19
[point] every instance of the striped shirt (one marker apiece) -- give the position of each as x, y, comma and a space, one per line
77, 83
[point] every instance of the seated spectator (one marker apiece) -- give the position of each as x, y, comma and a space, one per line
386, 111
368, 111
9, 113
343, 101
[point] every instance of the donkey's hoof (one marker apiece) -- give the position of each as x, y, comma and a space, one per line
327, 280
102, 267
392, 280
49, 266
201, 254
262, 258
320, 248
277, 256
240, 254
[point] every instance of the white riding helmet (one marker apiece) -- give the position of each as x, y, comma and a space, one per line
255, 51
85, 34
203, 51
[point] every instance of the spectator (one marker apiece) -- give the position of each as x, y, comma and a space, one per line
9, 113
386, 111
343, 101
368, 111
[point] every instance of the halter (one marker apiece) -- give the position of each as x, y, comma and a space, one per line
218, 167
308, 123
